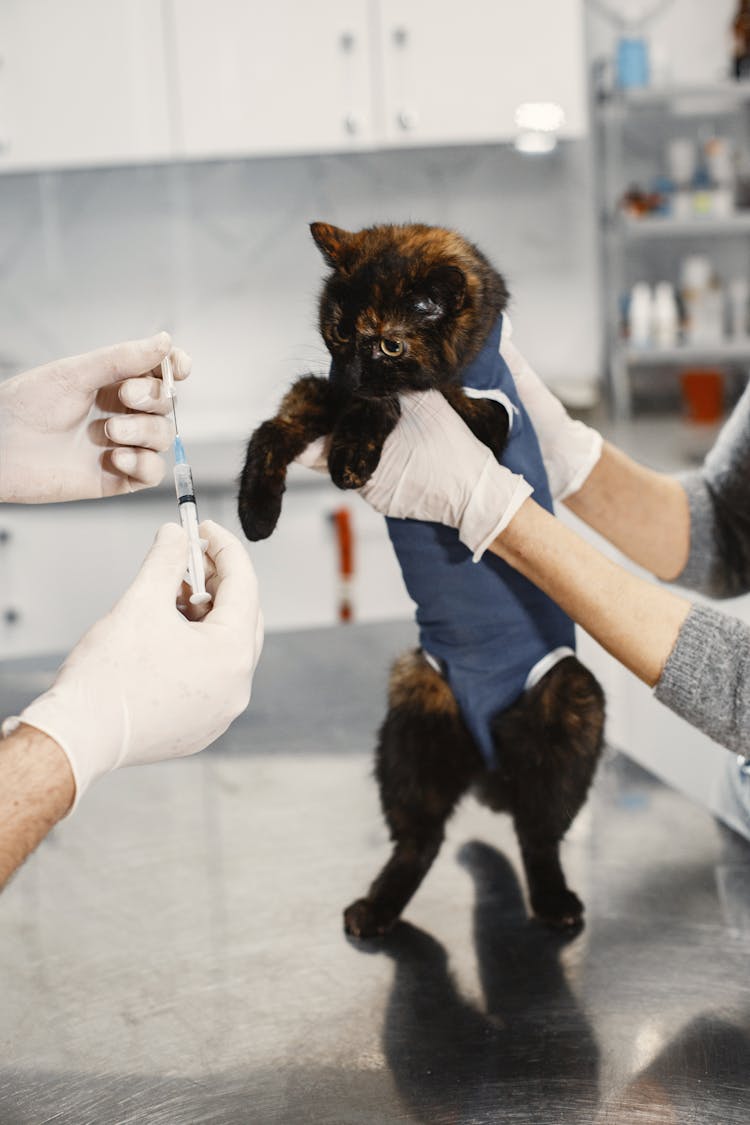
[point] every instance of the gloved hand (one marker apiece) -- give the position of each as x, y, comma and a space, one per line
433, 468
88, 426
570, 449
144, 683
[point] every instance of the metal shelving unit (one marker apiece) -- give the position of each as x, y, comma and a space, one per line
689, 98
725, 351
667, 227
622, 116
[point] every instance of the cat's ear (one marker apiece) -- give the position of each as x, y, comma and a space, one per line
334, 244
446, 289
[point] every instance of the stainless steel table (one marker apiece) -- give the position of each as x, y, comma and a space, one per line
174, 952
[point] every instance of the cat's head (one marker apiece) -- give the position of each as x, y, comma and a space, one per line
406, 307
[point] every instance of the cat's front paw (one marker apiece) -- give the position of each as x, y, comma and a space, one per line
259, 499
351, 464
363, 920
259, 509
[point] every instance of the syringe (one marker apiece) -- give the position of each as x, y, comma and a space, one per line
183, 482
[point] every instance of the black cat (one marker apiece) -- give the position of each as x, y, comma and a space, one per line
412, 308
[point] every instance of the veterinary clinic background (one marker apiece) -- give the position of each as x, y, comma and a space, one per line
160, 164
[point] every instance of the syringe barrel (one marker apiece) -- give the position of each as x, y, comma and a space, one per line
196, 570
183, 483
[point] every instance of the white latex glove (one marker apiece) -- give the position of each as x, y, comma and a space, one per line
145, 684
88, 426
433, 468
570, 449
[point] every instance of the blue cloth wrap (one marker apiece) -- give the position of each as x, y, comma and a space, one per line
486, 624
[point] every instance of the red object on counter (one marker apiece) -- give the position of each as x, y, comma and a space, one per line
342, 522
703, 395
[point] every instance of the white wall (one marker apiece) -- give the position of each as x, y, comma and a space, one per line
220, 254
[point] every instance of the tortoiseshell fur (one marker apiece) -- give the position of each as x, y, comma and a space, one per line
407, 308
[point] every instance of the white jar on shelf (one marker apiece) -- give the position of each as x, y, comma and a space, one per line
666, 318
641, 315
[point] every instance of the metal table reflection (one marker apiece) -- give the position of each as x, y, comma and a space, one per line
174, 952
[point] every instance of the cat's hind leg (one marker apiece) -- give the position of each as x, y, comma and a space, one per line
548, 746
425, 761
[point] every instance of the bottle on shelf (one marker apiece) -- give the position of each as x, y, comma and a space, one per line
666, 317
719, 157
702, 301
641, 315
682, 162
632, 68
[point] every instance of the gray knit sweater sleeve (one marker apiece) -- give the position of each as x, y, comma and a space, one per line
706, 679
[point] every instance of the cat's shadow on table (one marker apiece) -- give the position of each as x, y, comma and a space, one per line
528, 1044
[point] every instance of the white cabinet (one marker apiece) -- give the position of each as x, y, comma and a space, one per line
102, 82
64, 565
81, 83
458, 76
259, 78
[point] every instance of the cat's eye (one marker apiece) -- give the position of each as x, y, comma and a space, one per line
392, 348
339, 334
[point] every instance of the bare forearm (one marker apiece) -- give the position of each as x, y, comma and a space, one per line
636, 622
36, 791
645, 514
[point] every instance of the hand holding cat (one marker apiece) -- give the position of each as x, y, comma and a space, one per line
570, 449
145, 684
433, 468
88, 426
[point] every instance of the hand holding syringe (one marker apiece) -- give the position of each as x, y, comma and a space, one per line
183, 480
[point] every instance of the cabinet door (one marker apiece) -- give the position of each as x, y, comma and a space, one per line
459, 76
62, 566
257, 78
81, 82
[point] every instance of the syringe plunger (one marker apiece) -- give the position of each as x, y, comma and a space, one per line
167, 376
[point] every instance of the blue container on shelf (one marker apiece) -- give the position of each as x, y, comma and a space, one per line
632, 68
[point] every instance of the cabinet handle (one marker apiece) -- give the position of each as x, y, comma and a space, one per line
407, 119
347, 41
400, 36
352, 124
11, 616
5, 536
